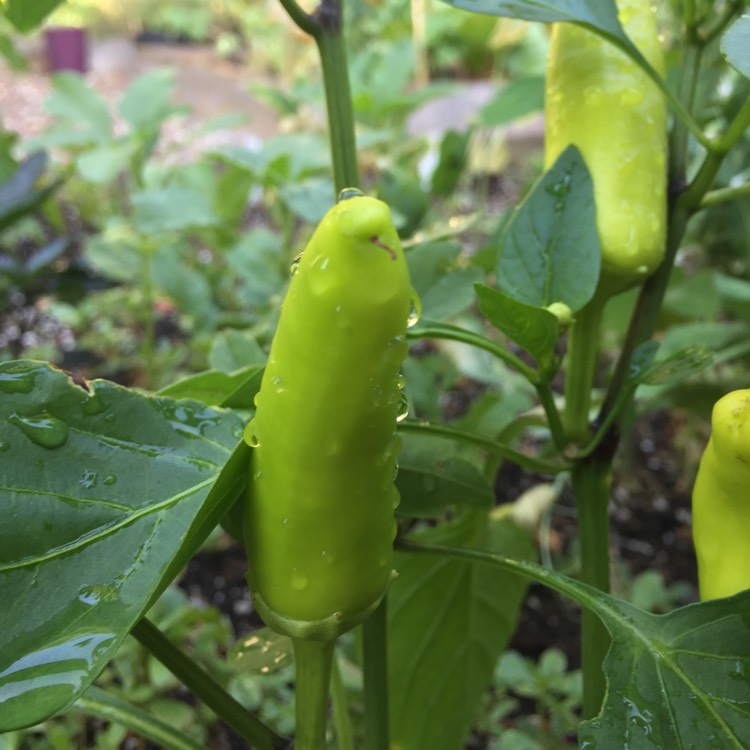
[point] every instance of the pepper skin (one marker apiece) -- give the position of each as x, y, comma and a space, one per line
319, 524
599, 99
721, 501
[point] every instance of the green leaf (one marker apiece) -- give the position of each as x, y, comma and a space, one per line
77, 105
103, 163
26, 15
678, 680
514, 100
735, 45
263, 651
678, 366
234, 350
146, 101
106, 494
453, 149
448, 623
599, 15
172, 209
432, 478
18, 194
533, 328
550, 247
309, 199
215, 388
441, 279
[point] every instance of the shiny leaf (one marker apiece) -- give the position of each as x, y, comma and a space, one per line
680, 680
106, 493
550, 248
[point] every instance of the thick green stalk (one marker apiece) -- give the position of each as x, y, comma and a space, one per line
341, 719
375, 661
591, 486
313, 661
332, 49
583, 354
206, 688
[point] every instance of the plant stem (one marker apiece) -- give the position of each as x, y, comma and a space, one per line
148, 320
497, 449
332, 49
375, 660
341, 720
583, 353
304, 21
313, 661
723, 195
432, 330
590, 480
232, 713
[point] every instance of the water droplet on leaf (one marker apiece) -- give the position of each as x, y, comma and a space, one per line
44, 429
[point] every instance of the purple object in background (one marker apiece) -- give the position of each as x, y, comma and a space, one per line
67, 49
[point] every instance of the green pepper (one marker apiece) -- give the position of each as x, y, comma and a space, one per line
598, 99
319, 525
721, 500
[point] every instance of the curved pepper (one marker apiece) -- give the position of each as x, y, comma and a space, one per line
319, 524
599, 99
721, 501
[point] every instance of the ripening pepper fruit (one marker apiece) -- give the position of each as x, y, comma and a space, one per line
598, 99
721, 500
319, 523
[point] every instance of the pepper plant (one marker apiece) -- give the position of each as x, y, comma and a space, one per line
108, 492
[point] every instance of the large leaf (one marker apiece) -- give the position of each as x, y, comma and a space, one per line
431, 478
105, 495
19, 195
26, 15
735, 45
598, 15
680, 680
449, 622
550, 248
172, 209
79, 110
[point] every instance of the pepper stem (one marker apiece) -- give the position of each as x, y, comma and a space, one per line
313, 662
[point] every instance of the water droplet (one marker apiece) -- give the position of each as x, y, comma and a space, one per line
295, 264
93, 405
401, 381
17, 379
299, 580
285, 522
415, 310
249, 435
348, 193
88, 479
257, 475
44, 429
278, 383
97, 593
4, 446
338, 616
559, 189
109, 479
403, 407
327, 558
